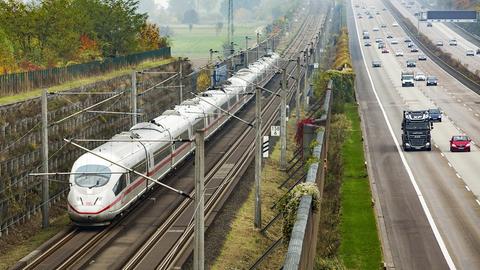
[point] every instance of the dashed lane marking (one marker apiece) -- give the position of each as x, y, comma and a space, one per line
421, 198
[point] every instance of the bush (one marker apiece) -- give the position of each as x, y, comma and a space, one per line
288, 206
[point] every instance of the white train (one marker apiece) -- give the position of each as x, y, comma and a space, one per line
100, 189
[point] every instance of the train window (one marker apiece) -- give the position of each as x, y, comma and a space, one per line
161, 154
92, 176
184, 136
141, 168
199, 125
225, 106
233, 100
120, 185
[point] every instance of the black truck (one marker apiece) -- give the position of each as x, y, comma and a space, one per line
416, 126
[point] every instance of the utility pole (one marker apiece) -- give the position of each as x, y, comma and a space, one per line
246, 51
297, 96
199, 254
283, 122
181, 80
258, 158
232, 56
230, 21
258, 45
305, 83
45, 184
133, 98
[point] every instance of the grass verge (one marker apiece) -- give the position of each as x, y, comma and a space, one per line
23, 247
360, 245
244, 244
84, 81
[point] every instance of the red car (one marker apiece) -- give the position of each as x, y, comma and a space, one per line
385, 50
460, 143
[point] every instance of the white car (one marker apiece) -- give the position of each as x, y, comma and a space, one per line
470, 53
394, 41
398, 53
452, 42
419, 76
395, 24
375, 29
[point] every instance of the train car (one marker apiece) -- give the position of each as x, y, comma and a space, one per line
101, 188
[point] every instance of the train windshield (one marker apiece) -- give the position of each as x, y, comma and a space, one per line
91, 176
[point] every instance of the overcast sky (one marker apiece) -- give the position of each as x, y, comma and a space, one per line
162, 3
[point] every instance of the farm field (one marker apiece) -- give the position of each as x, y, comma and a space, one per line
197, 43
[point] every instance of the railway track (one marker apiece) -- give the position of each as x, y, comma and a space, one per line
147, 255
79, 247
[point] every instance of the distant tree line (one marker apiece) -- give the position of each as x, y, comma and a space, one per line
50, 33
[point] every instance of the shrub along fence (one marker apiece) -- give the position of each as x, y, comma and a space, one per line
11, 84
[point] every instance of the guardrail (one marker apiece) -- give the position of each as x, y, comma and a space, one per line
303, 241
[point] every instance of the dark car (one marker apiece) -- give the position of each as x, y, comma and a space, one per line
422, 57
411, 63
410, 45
429, 24
432, 80
407, 40
460, 143
435, 115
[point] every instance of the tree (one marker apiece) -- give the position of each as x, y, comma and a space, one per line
89, 49
178, 7
190, 17
117, 26
218, 28
150, 38
7, 59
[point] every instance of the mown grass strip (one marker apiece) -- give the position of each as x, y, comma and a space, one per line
360, 245
84, 81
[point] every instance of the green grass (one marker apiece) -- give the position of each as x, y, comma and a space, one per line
244, 244
197, 43
84, 81
17, 252
360, 245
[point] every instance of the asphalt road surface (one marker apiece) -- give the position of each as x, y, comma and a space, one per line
428, 199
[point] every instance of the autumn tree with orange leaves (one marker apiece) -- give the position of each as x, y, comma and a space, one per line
150, 39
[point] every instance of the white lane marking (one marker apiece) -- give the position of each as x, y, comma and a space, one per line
436, 146
478, 202
435, 230
449, 164
442, 154
467, 188
458, 175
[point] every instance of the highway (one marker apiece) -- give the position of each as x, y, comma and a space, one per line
428, 199
442, 32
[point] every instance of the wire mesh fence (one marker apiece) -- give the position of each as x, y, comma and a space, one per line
21, 82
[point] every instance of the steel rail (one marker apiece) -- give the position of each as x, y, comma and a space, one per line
213, 200
91, 243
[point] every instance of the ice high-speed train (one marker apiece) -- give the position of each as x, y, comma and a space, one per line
100, 189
